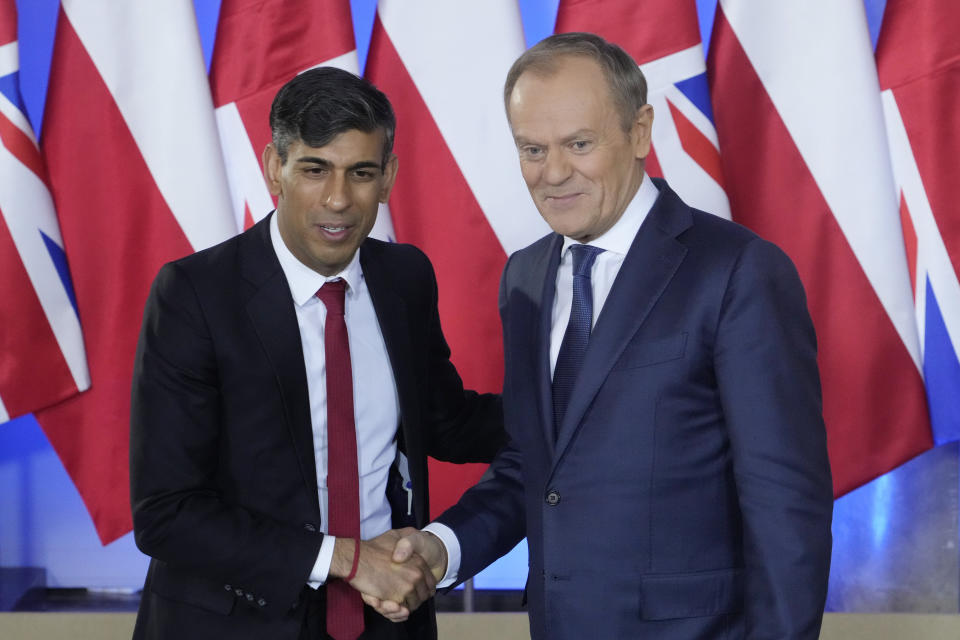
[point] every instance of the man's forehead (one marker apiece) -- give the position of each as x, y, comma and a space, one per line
352, 144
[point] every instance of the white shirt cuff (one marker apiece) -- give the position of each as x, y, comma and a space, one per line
321, 568
452, 545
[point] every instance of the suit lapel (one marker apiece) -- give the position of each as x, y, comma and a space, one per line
653, 259
546, 272
273, 316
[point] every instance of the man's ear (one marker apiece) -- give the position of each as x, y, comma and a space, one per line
389, 178
640, 131
272, 166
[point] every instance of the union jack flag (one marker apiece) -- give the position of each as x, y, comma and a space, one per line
42, 359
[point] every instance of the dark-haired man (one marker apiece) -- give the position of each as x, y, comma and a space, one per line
667, 458
289, 384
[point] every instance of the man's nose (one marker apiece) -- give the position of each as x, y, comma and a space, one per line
556, 167
338, 196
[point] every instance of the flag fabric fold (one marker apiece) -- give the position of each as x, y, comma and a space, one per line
42, 358
137, 176
918, 60
806, 165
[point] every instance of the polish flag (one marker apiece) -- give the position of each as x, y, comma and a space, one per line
260, 45
42, 360
805, 162
137, 175
918, 59
663, 36
459, 194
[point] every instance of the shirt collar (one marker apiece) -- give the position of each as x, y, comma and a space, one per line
619, 237
304, 281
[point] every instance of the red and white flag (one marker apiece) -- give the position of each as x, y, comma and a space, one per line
137, 175
459, 194
806, 165
663, 36
918, 59
260, 45
42, 360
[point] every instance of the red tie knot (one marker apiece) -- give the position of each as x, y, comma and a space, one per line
332, 294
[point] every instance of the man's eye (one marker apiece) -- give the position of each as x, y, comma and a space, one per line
531, 152
363, 174
580, 145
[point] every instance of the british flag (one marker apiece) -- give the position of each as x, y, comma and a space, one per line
42, 359
918, 59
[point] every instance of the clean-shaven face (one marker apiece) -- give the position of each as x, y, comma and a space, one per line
327, 197
581, 167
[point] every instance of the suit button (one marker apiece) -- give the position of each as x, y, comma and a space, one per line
553, 498
262, 602
239, 592
227, 587
310, 527
250, 597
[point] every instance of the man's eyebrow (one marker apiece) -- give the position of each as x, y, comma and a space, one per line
314, 160
326, 164
579, 133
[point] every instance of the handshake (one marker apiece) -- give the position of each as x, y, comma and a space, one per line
395, 572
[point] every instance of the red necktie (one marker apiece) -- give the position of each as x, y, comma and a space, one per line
344, 605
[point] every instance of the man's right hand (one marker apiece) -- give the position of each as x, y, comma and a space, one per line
399, 585
410, 543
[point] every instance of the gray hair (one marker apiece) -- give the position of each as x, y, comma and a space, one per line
627, 84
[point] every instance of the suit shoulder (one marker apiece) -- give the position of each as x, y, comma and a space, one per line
211, 257
396, 255
709, 229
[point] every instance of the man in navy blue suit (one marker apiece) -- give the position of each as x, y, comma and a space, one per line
668, 459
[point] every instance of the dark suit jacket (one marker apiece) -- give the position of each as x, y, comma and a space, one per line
224, 488
688, 494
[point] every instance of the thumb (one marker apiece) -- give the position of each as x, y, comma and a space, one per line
404, 549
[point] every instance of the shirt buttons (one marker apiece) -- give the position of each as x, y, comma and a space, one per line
262, 602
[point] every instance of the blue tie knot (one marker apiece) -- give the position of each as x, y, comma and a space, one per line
583, 257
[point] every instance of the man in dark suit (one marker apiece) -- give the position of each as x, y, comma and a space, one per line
667, 458
289, 384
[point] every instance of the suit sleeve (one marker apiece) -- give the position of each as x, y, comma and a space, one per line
180, 514
466, 426
770, 392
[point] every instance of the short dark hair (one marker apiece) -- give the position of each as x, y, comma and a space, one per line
321, 103
627, 84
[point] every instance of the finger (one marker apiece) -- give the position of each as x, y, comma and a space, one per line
421, 591
402, 614
372, 601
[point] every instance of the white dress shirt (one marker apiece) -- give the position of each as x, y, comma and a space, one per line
376, 405
615, 244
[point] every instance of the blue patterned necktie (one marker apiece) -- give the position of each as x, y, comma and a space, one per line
577, 335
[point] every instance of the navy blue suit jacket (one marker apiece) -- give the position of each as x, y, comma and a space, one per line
688, 493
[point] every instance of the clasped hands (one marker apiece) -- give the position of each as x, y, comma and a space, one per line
396, 572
